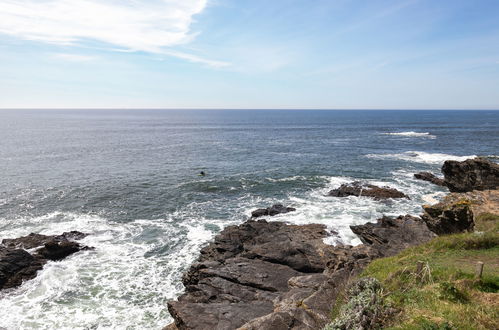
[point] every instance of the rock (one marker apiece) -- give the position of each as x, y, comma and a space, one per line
443, 218
37, 240
358, 188
248, 269
430, 177
18, 265
271, 211
472, 174
389, 236
271, 275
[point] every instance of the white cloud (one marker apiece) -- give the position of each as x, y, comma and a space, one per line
135, 25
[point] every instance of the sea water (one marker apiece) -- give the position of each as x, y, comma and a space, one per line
129, 178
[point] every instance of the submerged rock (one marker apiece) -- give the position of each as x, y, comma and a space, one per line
444, 218
271, 211
472, 174
18, 265
430, 177
358, 188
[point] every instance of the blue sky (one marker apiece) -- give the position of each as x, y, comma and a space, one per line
334, 54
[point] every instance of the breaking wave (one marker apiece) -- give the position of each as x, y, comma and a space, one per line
420, 157
412, 134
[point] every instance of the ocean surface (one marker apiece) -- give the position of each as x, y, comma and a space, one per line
130, 180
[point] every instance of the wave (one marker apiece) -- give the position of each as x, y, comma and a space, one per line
420, 157
412, 134
124, 283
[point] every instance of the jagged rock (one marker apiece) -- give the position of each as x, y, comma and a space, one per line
36, 240
271, 211
430, 177
18, 265
472, 174
246, 269
358, 188
443, 218
262, 275
391, 235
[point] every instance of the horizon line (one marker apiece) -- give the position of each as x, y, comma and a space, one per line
256, 109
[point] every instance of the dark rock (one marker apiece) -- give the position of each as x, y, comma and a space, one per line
357, 188
271, 211
18, 265
57, 250
430, 177
445, 218
389, 236
262, 275
37, 240
472, 174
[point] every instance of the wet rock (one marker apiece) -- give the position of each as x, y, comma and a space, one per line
358, 188
443, 218
388, 236
271, 211
472, 174
18, 265
37, 240
430, 177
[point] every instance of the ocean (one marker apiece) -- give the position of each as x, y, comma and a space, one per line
129, 178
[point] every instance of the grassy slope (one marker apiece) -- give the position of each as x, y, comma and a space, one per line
446, 296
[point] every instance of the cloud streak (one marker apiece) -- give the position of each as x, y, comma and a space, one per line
153, 26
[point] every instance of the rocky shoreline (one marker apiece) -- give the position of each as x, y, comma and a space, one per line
273, 275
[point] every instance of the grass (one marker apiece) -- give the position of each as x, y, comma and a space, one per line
445, 295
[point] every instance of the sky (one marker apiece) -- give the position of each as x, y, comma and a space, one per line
283, 54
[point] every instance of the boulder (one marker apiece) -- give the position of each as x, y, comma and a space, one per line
443, 218
430, 177
271, 211
18, 265
471, 174
388, 236
358, 188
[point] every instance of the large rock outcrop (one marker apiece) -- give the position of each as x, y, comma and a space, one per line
18, 265
449, 218
272, 275
472, 174
389, 236
358, 188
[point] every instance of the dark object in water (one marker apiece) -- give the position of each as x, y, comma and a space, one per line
202, 173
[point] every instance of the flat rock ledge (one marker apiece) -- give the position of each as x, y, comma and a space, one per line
361, 189
273, 275
21, 258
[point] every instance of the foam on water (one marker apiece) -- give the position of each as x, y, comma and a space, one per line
137, 266
420, 157
412, 134
119, 285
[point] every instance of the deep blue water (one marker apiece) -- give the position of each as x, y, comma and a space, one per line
129, 178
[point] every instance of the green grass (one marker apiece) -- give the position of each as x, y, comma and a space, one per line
445, 295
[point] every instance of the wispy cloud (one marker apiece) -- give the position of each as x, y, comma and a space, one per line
135, 25
74, 57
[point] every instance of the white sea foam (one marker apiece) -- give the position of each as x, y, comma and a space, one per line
420, 157
119, 285
412, 134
